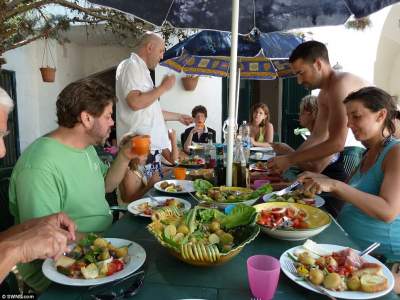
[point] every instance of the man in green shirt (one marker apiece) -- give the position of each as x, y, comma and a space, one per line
62, 172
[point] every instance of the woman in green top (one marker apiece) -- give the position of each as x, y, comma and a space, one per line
261, 129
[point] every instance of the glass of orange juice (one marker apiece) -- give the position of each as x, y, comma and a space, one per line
141, 144
180, 173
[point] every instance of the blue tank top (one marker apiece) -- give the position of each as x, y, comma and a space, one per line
364, 229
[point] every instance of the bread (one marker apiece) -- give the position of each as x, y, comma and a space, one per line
373, 283
372, 269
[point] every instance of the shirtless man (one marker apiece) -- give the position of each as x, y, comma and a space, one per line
310, 62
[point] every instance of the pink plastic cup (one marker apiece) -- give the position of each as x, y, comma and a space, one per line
263, 272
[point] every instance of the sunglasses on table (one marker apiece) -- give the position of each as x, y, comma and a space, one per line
116, 293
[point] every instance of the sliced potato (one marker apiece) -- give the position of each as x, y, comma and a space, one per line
90, 271
65, 261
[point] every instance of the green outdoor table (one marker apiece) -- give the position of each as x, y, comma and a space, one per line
167, 277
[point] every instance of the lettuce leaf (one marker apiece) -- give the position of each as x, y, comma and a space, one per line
240, 215
208, 214
202, 186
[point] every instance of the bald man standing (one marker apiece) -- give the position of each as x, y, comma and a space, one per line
138, 108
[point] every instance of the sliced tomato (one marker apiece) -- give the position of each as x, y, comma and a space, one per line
111, 268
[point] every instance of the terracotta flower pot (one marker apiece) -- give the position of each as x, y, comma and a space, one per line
48, 74
190, 82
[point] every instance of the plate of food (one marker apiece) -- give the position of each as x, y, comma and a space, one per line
222, 196
175, 186
296, 196
262, 156
144, 207
339, 270
291, 221
262, 149
204, 236
259, 166
95, 260
192, 162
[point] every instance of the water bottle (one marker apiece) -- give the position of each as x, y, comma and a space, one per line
244, 132
210, 153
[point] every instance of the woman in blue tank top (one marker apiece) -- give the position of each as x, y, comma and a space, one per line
372, 195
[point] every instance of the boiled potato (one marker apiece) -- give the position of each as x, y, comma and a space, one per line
306, 259
226, 239
184, 229
316, 276
170, 231
101, 243
121, 252
330, 261
215, 226
332, 281
353, 283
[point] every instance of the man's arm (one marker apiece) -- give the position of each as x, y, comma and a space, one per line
172, 116
337, 129
138, 100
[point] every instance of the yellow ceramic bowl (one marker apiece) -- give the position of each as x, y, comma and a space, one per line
318, 220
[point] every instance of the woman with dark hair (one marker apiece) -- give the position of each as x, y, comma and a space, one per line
372, 195
261, 130
199, 132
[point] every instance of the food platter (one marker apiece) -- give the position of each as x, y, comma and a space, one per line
285, 259
186, 186
223, 196
261, 156
204, 236
261, 149
316, 219
145, 206
318, 200
137, 256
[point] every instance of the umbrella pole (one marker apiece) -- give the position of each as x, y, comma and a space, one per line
232, 90
237, 96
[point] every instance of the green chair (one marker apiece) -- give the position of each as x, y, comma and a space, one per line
352, 157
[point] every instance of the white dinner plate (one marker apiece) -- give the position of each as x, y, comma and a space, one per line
261, 149
137, 258
133, 206
319, 201
264, 157
187, 186
345, 294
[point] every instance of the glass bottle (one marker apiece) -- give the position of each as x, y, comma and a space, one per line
239, 169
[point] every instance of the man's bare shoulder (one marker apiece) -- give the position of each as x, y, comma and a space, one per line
349, 82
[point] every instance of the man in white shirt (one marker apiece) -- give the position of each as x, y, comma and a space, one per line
138, 108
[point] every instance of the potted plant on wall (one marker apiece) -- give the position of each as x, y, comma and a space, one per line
190, 82
48, 73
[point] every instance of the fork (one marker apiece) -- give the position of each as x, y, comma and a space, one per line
292, 269
287, 189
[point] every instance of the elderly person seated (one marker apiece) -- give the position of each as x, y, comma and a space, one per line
199, 132
372, 195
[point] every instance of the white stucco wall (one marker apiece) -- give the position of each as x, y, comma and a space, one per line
36, 99
354, 50
207, 93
